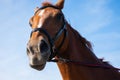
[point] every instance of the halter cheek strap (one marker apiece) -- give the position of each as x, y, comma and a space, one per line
54, 48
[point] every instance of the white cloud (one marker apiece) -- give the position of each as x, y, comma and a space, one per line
107, 45
106, 41
96, 15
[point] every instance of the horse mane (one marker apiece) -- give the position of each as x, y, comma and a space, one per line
89, 45
81, 38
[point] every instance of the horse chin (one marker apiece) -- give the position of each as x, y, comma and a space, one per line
38, 67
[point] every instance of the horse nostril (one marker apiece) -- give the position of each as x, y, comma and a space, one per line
43, 46
30, 50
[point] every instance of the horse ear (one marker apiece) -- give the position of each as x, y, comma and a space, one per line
36, 9
60, 4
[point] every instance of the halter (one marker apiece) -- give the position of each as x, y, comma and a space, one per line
51, 40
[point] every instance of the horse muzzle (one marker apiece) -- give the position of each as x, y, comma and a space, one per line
38, 54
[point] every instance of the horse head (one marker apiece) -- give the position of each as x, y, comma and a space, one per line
48, 26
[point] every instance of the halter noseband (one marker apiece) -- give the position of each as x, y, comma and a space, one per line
51, 40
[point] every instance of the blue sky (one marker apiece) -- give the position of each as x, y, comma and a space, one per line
96, 20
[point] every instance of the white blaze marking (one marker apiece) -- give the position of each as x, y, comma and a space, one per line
40, 21
41, 13
40, 24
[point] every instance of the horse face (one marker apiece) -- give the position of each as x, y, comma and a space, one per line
38, 47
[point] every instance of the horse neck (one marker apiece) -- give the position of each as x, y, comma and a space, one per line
78, 51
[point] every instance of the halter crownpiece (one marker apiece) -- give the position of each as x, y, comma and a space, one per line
51, 40
43, 7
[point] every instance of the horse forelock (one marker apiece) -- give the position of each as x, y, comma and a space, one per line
46, 3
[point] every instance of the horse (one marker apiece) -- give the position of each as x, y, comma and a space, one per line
53, 39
